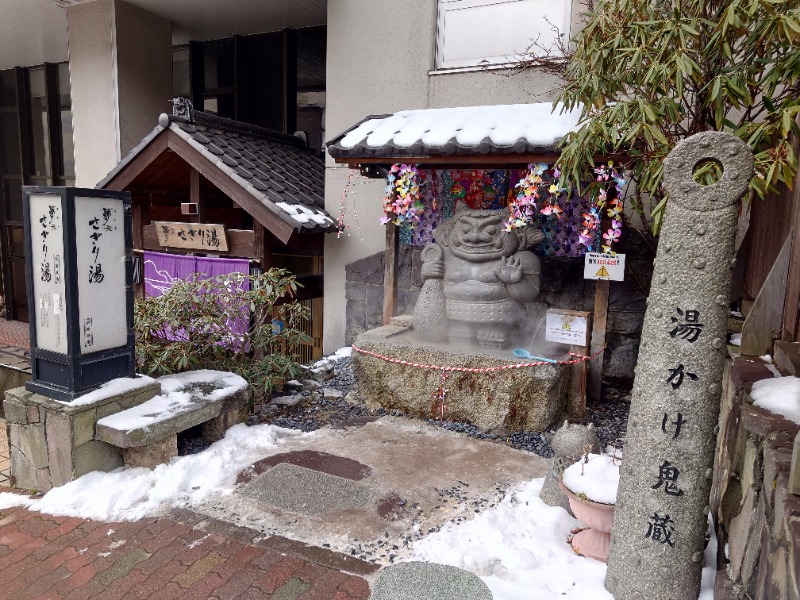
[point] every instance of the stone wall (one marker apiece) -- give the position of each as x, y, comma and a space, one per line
563, 286
756, 517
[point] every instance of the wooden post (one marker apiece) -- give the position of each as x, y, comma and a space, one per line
390, 272
194, 195
598, 337
764, 321
791, 323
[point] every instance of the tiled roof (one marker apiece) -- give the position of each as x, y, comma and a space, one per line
461, 131
277, 169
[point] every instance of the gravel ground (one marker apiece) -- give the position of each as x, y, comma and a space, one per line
312, 412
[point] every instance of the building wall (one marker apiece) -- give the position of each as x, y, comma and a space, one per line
379, 57
121, 76
91, 64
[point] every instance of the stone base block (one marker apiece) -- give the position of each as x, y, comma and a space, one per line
214, 430
507, 401
153, 454
52, 443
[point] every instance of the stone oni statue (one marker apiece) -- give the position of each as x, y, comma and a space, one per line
478, 278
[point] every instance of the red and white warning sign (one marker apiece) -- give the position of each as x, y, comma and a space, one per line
604, 266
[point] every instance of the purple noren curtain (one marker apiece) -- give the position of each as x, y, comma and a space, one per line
161, 270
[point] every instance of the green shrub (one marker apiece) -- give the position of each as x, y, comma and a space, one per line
189, 327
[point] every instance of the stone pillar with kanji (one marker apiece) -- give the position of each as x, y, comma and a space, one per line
660, 519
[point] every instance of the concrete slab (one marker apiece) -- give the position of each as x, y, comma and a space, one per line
307, 491
421, 477
428, 581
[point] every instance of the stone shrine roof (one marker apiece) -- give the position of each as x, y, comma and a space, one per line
513, 129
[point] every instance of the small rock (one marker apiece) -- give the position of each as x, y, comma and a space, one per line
332, 394
291, 400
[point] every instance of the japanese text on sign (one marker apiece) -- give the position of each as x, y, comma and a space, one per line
604, 266
195, 236
565, 327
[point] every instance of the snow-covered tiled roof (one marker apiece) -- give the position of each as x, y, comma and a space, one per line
465, 130
277, 169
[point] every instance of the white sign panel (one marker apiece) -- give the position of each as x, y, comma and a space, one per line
566, 328
100, 250
604, 266
47, 260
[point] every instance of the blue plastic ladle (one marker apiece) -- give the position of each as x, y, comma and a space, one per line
521, 353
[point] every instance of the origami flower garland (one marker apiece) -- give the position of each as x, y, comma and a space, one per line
523, 209
402, 204
605, 175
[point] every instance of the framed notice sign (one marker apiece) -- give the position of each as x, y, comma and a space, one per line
567, 327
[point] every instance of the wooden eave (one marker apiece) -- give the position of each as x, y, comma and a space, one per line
168, 140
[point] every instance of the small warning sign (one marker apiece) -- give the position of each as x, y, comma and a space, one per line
567, 327
604, 266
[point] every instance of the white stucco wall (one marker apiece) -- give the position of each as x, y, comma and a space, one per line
121, 77
94, 90
379, 55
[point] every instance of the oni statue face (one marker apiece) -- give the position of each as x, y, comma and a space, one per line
479, 238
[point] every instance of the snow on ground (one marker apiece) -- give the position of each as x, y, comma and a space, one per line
131, 494
520, 551
780, 395
518, 548
597, 477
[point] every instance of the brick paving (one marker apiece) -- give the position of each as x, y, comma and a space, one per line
15, 334
183, 555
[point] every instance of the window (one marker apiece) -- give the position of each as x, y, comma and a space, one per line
473, 33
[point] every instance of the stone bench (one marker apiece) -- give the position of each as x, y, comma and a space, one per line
148, 433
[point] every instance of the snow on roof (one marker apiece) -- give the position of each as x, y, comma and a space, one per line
512, 128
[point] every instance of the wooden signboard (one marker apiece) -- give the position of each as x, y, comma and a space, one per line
192, 236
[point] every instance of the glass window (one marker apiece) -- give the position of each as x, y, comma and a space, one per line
181, 75
218, 64
39, 123
65, 108
8, 88
9, 143
494, 32
12, 195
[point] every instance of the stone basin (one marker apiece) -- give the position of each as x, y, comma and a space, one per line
501, 402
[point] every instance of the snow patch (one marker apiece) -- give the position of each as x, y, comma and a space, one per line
115, 387
780, 395
597, 478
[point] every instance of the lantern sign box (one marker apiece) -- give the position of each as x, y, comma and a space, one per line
567, 327
80, 292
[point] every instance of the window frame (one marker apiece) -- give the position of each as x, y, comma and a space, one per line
507, 59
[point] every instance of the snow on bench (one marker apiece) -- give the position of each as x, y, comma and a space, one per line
147, 433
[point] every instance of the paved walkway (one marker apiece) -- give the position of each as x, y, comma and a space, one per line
184, 556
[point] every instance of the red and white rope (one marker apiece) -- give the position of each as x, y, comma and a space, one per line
578, 359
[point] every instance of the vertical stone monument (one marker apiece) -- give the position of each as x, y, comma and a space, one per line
660, 519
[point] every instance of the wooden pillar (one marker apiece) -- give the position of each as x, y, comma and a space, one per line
791, 310
598, 337
194, 195
390, 272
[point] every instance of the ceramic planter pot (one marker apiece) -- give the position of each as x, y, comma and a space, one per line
594, 541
